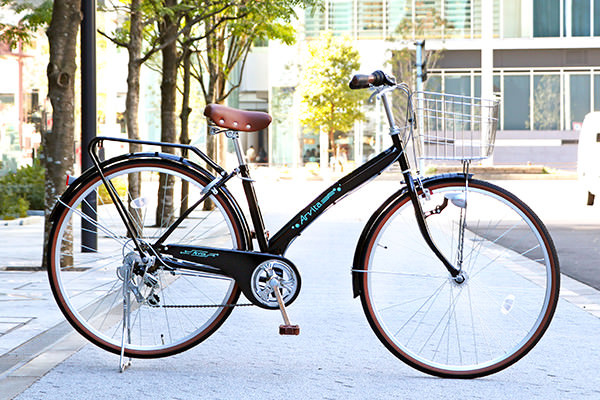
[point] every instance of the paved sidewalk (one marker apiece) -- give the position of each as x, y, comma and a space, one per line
337, 356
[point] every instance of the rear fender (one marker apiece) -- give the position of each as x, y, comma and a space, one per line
201, 172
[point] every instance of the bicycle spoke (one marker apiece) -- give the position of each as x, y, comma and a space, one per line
95, 278
468, 327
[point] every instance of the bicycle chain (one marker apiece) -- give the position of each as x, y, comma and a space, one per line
201, 305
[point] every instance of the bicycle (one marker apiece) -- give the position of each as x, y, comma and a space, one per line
457, 277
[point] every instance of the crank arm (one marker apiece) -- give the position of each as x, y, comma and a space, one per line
287, 328
236, 264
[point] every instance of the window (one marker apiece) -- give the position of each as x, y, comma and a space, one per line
546, 18
397, 11
537, 99
340, 16
516, 102
511, 18
575, 17
282, 129
426, 15
546, 102
459, 15
433, 83
370, 19
580, 101
596, 92
460, 85
596, 17
498, 91
7, 98
314, 22
580, 18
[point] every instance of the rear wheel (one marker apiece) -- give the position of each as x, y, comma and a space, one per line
438, 324
110, 295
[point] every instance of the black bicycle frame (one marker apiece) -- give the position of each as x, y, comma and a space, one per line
340, 189
280, 241
346, 185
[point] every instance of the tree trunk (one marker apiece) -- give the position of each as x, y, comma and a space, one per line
168, 93
220, 87
214, 49
132, 101
57, 144
184, 138
209, 95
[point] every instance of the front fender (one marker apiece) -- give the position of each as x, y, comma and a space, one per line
367, 232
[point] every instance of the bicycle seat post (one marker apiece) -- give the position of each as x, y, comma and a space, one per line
235, 138
247, 182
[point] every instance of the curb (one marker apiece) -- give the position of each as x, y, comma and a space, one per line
29, 220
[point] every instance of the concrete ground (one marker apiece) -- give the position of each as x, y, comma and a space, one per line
336, 356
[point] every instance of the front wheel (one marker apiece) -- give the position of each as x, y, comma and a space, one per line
438, 324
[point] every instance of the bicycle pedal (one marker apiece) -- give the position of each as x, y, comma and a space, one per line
289, 329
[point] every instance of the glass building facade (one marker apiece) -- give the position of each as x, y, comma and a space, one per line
546, 60
379, 19
533, 99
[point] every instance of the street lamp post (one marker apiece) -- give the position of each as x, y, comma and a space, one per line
89, 233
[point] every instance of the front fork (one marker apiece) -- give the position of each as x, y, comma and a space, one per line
413, 192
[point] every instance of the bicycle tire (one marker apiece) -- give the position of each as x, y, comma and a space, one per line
437, 325
88, 285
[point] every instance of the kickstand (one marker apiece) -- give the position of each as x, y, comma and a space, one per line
123, 365
287, 328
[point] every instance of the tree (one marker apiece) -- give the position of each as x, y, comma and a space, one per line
228, 38
154, 27
426, 25
34, 17
130, 36
58, 144
63, 18
328, 103
403, 61
168, 28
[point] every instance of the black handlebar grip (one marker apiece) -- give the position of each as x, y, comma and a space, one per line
380, 78
360, 82
377, 78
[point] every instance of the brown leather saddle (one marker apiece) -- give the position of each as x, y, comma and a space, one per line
237, 120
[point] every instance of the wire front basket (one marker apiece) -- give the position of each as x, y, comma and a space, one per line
452, 127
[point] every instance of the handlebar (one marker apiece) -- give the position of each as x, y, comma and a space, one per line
377, 78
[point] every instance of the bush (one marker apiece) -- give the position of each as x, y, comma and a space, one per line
11, 206
21, 191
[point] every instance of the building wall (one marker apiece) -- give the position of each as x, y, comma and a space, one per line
545, 65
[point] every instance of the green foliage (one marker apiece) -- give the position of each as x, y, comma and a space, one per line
229, 36
327, 100
22, 190
267, 19
12, 207
33, 17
